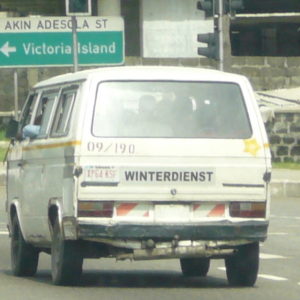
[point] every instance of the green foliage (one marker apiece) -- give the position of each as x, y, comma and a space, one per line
3, 149
286, 165
2, 153
2, 134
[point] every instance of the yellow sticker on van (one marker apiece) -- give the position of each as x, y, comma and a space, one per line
251, 146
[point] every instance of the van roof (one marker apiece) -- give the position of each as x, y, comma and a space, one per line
144, 73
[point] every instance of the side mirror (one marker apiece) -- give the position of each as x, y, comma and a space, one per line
12, 129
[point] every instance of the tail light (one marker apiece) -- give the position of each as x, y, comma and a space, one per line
95, 209
247, 209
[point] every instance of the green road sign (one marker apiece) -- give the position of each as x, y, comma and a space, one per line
48, 41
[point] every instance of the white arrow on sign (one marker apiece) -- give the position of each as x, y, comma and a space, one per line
6, 49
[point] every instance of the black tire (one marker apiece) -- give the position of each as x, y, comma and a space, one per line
24, 257
242, 268
195, 266
66, 259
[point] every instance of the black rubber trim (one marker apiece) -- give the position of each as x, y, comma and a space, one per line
225, 230
246, 185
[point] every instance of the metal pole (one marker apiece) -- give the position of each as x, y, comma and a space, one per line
16, 95
221, 38
75, 44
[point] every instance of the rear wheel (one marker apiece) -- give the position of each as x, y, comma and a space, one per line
195, 266
24, 257
242, 268
66, 259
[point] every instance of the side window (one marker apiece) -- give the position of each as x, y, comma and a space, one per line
44, 111
28, 111
63, 112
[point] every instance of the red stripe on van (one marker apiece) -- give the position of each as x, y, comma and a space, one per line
125, 208
217, 211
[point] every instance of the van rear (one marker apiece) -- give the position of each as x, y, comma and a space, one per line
174, 165
140, 163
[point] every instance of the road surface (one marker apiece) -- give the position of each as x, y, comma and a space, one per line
279, 274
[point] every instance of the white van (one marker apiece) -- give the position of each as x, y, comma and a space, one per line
139, 163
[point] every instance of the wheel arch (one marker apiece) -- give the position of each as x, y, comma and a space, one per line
14, 210
54, 213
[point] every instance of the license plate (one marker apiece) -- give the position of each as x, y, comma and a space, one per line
172, 212
101, 174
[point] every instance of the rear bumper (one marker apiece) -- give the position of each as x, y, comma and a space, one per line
225, 230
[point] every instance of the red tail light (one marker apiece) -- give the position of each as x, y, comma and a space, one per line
95, 209
247, 209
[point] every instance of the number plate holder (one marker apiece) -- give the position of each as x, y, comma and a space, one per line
101, 174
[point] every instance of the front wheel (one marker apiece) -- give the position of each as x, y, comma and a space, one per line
66, 259
195, 266
242, 268
24, 257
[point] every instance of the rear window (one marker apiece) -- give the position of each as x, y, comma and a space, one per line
174, 109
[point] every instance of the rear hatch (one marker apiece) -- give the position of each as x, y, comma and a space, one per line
171, 151
190, 178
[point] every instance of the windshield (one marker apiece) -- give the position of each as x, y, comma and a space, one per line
170, 109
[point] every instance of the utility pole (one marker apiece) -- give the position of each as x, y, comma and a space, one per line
75, 43
221, 32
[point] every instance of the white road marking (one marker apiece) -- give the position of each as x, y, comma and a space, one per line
3, 229
271, 277
277, 233
271, 256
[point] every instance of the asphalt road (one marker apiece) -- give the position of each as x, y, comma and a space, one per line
279, 275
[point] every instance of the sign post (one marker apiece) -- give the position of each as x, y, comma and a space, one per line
75, 43
73, 9
16, 98
48, 41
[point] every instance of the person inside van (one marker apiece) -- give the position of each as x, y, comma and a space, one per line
33, 130
39, 117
